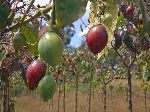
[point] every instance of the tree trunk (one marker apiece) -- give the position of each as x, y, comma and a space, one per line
0, 93
129, 91
111, 95
104, 97
145, 100
93, 93
5, 97
64, 99
5, 91
49, 104
126, 92
90, 94
58, 95
52, 102
76, 94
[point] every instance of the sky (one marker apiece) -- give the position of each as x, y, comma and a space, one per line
77, 39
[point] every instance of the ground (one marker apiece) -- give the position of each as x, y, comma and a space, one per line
116, 100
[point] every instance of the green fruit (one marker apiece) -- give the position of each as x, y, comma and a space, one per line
19, 41
50, 48
47, 87
30, 32
68, 11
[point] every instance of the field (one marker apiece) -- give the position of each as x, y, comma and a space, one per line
116, 100
78, 55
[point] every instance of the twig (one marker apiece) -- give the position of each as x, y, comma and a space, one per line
12, 2
84, 23
40, 12
110, 79
121, 58
133, 60
50, 1
5, 43
27, 11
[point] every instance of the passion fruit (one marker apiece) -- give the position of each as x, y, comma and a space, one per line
50, 48
47, 87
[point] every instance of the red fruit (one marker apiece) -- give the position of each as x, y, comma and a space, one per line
129, 10
97, 38
35, 71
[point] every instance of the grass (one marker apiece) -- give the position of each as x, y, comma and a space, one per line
116, 102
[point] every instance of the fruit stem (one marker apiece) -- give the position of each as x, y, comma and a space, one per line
52, 21
47, 70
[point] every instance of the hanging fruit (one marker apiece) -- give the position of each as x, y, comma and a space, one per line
35, 71
68, 11
50, 48
97, 38
130, 10
47, 87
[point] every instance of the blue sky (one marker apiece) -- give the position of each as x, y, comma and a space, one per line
76, 40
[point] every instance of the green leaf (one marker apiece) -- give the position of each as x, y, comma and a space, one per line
120, 21
145, 72
68, 11
30, 33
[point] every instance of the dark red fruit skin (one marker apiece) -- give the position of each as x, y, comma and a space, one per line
129, 10
35, 71
97, 38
